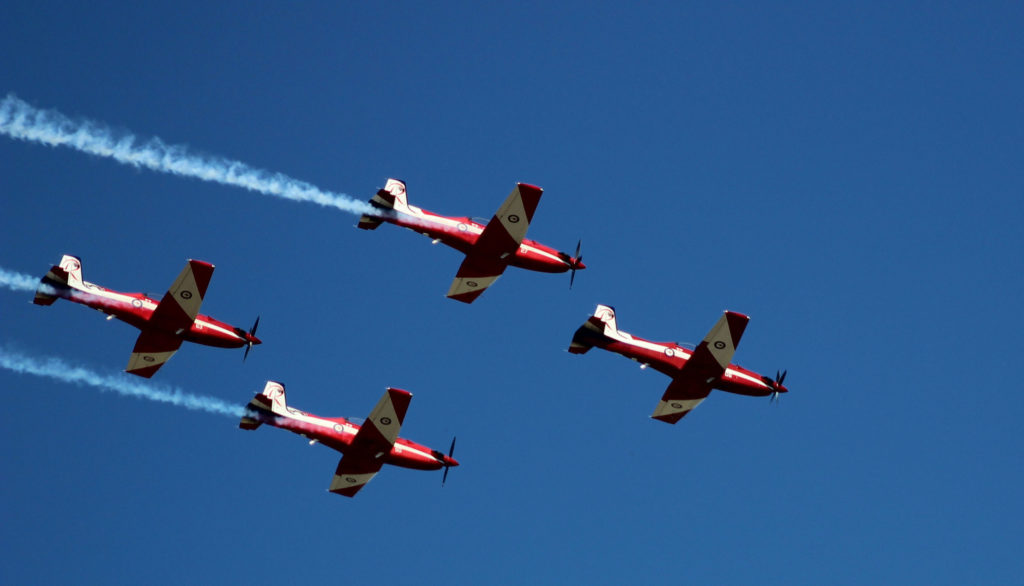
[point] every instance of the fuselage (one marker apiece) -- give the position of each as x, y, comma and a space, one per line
337, 433
461, 233
668, 358
137, 309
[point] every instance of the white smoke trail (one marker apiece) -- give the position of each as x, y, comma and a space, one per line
123, 385
17, 281
20, 120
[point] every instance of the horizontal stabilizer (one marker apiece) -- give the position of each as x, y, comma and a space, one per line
52, 286
270, 401
392, 197
59, 281
595, 331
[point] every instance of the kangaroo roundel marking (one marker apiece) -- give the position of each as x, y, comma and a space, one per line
338, 428
385, 421
513, 219
471, 283
136, 303
186, 295
669, 352
719, 344
350, 480
463, 227
677, 405
149, 358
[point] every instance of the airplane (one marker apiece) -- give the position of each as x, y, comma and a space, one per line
694, 372
489, 248
165, 324
365, 448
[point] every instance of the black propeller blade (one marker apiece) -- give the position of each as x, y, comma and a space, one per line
576, 261
252, 332
451, 451
779, 377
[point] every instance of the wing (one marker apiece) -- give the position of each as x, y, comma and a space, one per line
474, 277
706, 365
152, 350
380, 430
372, 443
180, 305
353, 473
681, 397
506, 230
499, 240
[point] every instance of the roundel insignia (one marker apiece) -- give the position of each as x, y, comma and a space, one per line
385, 421
148, 358
471, 283
338, 428
136, 303
513, 219
350, 480
719, 344
677, 406
186, 295
669, 352
463, 227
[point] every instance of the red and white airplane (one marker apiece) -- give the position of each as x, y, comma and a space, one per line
489, 248
365, 448
164, 324
694, 372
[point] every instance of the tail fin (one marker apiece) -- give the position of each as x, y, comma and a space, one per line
59, 279
270, 401
596, 329
392, 197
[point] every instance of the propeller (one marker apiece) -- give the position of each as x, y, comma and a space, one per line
451, 451
575, 263
779, 377
249, 343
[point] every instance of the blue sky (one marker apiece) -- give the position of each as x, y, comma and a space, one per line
849, 176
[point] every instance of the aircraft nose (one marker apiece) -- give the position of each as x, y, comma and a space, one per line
449, 461
580, 266
252, 339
